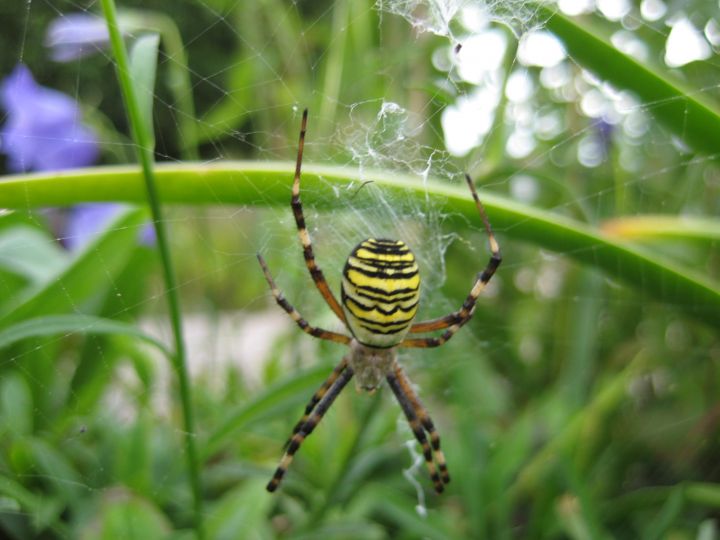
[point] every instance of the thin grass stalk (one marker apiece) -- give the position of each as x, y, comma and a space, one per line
143, 144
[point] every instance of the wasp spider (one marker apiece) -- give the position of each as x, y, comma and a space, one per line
379, 295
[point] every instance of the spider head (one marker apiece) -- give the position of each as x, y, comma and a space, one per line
380, 292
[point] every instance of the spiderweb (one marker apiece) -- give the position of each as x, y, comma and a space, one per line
482, 89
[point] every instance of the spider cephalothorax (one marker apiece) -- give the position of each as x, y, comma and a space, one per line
380, 293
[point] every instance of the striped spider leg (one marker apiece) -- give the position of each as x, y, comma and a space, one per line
323, 397
420, 423
379, 298
315, 272
328, 392
456, 320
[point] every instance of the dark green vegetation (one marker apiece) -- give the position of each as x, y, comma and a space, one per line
581, 401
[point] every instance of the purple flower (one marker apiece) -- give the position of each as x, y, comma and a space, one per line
42, 131
147, 235
86, 221
605, 131
76, 35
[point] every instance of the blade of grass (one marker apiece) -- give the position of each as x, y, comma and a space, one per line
606, 400
178, 80
128, 515
647, 227
698, 493
31, 253
667, 516
267, 184
65, 325
45, 510
331, 497
80, 280
269, 403
334, 66
684, 111
136, 21
143, 66
143, 137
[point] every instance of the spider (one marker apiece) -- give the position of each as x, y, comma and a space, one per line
379, 297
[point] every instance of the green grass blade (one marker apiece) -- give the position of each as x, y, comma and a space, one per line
127, 515
134, 99
647, 227
31, 253
80, 280
44, 510
143, 65
16, 405
285, 394
64, 325
268, 184
703, 493
682, 110
241, 510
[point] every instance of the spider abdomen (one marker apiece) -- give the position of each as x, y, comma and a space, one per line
380, 291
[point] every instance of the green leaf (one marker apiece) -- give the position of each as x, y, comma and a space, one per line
56, 469
143, 66
268, 404
390, 507
268, 184
92, 270
646, 227
703, 493
571, 518
682, 110
667, 516
123, 515
133, 466
65, 325
16, 404
31, 253
45, 511
241, 513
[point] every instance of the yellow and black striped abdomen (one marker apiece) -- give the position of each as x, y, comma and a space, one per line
380, 291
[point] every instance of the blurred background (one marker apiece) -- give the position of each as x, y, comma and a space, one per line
573, 405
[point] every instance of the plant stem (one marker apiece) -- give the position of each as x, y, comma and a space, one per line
143, 143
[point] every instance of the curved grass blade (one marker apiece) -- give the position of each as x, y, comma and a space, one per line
31, 253
649, 227
682, 110
266, 184
80, 279
289, 392
65, 325
45, 510
143, 66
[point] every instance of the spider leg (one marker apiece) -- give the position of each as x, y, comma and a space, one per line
425, 420
309, 425
417, 428
301, 322
454, 321
317, 396
315, 272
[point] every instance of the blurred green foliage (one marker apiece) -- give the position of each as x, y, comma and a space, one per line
572, 406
